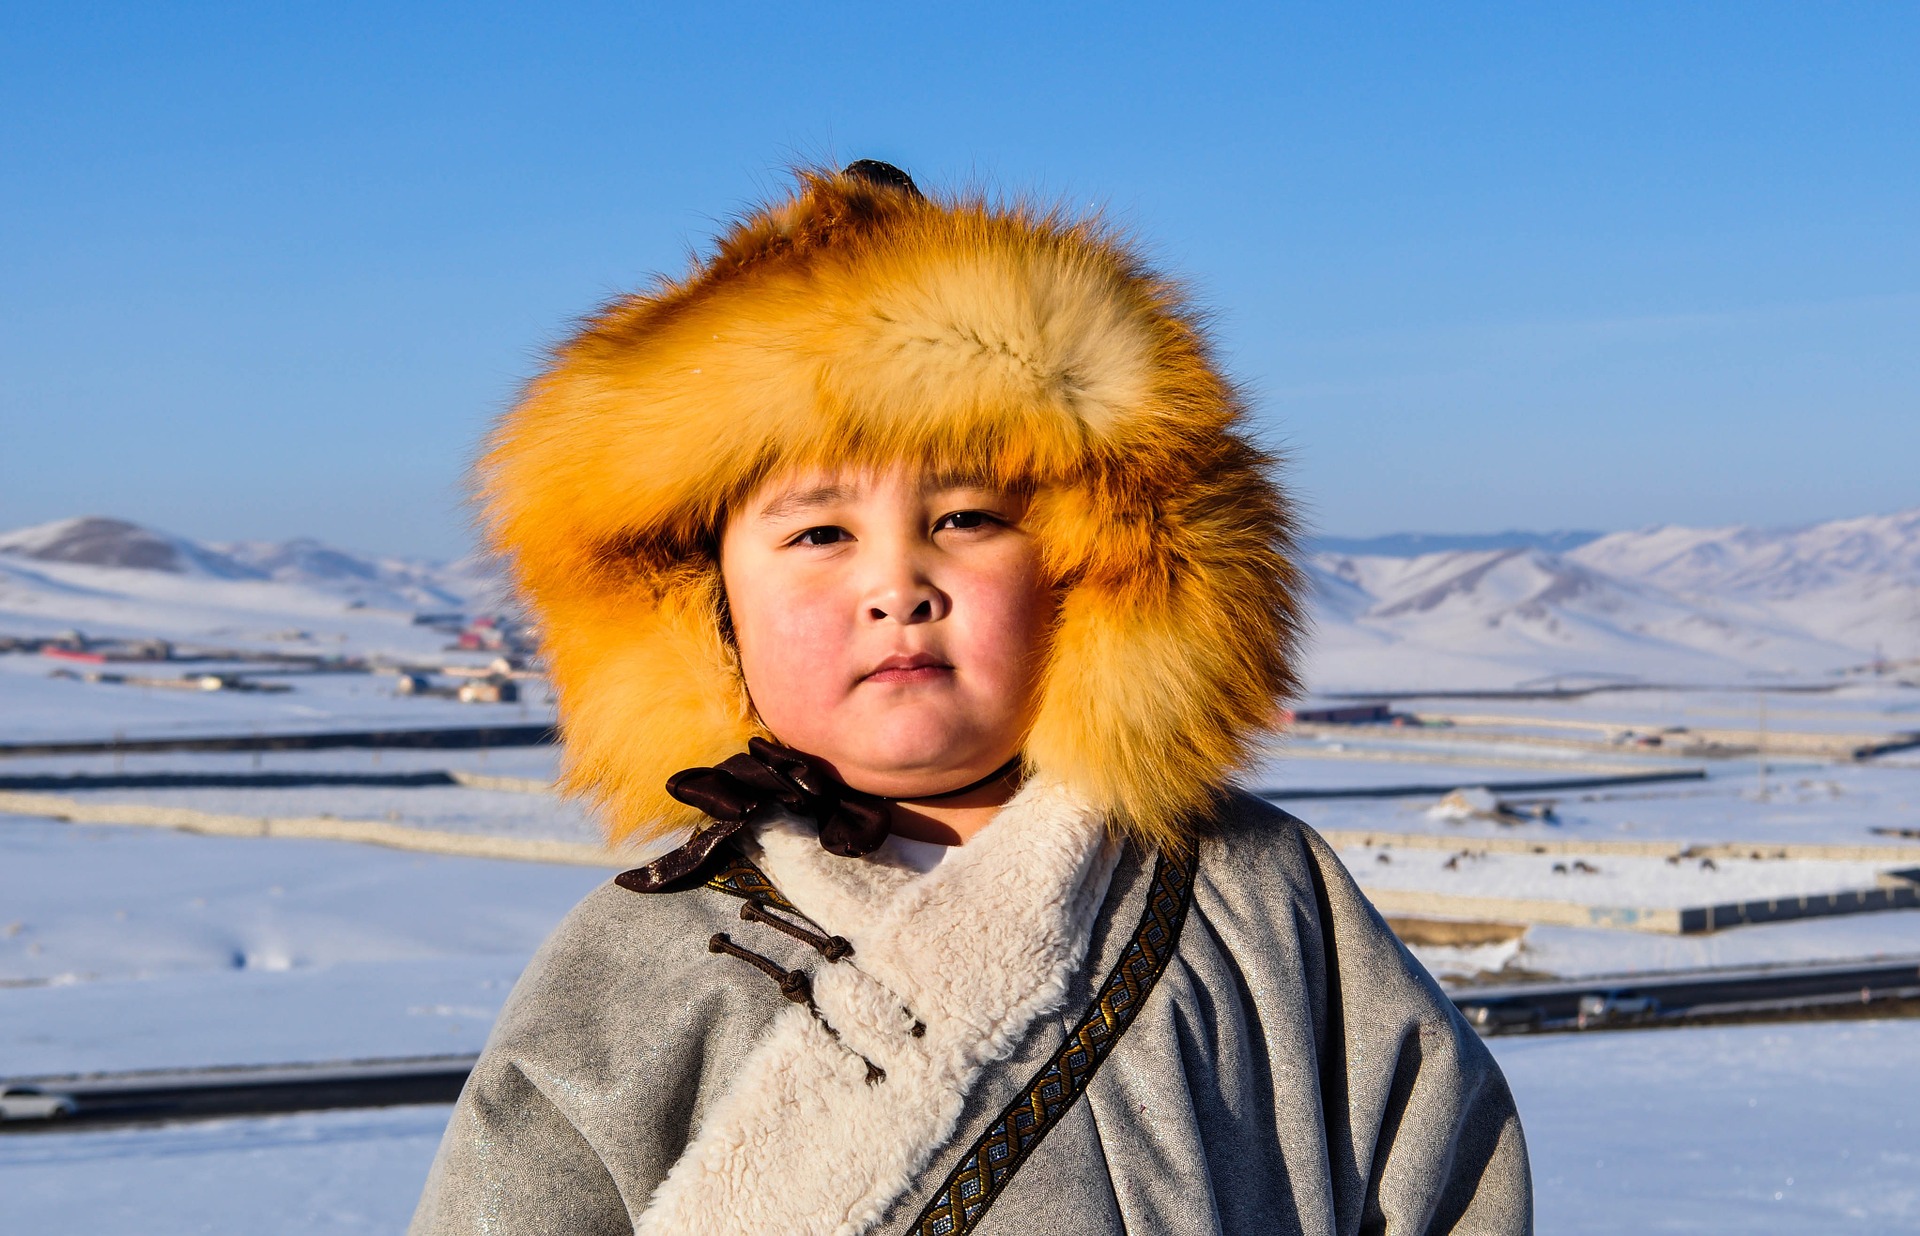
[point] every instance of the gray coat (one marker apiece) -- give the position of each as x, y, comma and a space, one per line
1294, 1070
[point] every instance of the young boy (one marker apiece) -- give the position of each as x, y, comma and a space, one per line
941, 511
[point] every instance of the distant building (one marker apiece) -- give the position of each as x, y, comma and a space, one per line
492, 633
489, 691
63, 653
77, 647
1344, 714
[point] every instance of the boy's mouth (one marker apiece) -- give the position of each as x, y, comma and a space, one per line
902, 667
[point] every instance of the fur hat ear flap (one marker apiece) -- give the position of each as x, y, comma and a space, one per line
1175, 644
860, 322
645, 684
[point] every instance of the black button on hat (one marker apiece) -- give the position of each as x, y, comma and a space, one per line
875, 172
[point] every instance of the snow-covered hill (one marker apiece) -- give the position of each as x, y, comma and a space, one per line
109, 577
395, 583
1752, 562
1854, 582
117, 544
1665, 603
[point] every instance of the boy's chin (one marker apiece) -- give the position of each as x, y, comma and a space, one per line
913, 771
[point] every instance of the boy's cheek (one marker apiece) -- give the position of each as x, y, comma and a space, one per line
806, 626
796, 657
1004, 623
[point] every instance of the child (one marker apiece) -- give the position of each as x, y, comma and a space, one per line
940, 510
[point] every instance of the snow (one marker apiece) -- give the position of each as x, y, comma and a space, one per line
254, 951
500, 813
1679, 605
327, 1173
118, 547
1798, 802
35, 706
1793, 1128
531, 763
1761, 1129
1579, 952
1603, 881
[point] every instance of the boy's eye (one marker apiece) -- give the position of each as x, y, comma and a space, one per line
963, 520
821, 536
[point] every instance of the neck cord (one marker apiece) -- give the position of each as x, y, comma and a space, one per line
998, 774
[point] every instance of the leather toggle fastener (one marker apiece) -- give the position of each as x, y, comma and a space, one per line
833, 948
794, 984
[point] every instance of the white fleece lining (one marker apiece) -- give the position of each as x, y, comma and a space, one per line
975, 949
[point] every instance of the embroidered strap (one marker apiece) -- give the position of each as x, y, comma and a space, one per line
984, 1170
738, 877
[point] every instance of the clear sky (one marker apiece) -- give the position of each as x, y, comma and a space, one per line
268, 270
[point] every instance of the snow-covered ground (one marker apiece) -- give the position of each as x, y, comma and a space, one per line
1798, 1128
322, 1174
257, 951
1611, 881
37, 706
1756, 1129
1794, 802
130, 948
450, 808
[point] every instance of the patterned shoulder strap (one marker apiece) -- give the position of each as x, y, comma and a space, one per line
739, 877
1009, 1141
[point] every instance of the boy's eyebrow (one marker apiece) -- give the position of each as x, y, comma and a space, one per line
796, 500
941, 482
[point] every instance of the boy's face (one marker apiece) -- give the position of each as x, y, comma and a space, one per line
891, 623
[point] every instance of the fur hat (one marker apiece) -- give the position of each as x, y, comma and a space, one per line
859, 322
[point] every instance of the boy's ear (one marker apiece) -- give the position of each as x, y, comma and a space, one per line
723, 614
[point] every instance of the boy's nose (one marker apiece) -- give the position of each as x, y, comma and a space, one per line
908, 602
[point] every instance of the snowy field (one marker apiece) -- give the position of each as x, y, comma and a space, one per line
330, 1173
35, 706
130, 948
1786, 1129
254, 951
260, 951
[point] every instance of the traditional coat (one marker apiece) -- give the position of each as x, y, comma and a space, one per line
1286, 1067
1137, 1001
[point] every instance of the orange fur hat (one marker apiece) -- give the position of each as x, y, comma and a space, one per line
857, 322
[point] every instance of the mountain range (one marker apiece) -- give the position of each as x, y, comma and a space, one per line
381, 582
1662, 603
1412, 611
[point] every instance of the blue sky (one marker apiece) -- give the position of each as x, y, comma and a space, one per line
268, 270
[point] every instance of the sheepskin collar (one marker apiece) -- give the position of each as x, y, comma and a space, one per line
972, 951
